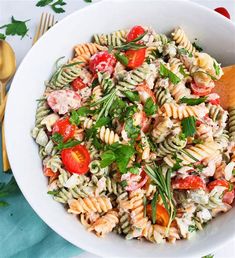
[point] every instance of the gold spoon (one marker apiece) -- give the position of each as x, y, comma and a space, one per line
7, 70
225, 87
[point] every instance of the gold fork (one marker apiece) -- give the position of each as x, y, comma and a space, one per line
46, 22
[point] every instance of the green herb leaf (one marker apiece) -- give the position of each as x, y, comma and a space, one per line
197, 141
2, 36
74, 118
102, 122
193, 102
182, 51
217, 68
97, 142
16, 27
132, 95
95, 82
208, 256
199, 49
154, 207
189, 126
166, 73
88, 1
122, 58
149, 107
83, 111
132, 131
134, 170
55, 6
3, 204
192, 228
8, 188
42, 3
123, 154
123, 183
107, 158
68, 144
54, 192
57, 138
182, 71
177, 165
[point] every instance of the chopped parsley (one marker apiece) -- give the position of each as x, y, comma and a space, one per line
192, 228
56, 6
132, 95
132, 131
122, 58
208, 256
198, 48
2, 36
58, 139
149, 107
166, 73
123, 183
54, 192
74, 118
217, 68
189, 126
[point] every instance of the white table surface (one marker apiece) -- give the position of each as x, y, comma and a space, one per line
25, 9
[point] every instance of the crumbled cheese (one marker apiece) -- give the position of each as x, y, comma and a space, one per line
204, 215
228, 171
72, 181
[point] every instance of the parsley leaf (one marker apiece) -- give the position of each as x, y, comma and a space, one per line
182, 51
68, 144
182, 71
42, 3
149, 107
57, 138
74, 118
134, 170
217, 68
54, 192
2, 36
16, 28
189, 126
88, 1
122, 58
192, 102
123, 183
192, 228
107, 158
199, 49
102, 121
132, 131
132, 95
208, 256
55, 6
7, 189
166, 73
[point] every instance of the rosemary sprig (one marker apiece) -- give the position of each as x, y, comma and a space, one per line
106, 103
164, 187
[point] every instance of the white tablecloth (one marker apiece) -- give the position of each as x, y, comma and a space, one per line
25, 9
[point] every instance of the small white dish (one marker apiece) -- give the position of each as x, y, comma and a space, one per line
214, 33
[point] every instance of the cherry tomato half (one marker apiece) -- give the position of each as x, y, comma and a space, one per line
223, 11
78, 84
65, 128
135, 186
189, 182
162, 216
200, 91
102, 62
145, 93
217, 182
135, 32
76, 159
135, 57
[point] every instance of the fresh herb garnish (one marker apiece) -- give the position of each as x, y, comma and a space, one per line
182, 51
154, 207
198, 48
149, 107
182, 71
132, 131
132, 95
119, 153
2, 36
177, 164
123, 183
7, 189
88, 1
102, 122
197, 141
192, 228
56, 6
189, 126
74, 118
208, 256
166, 73
134, 170
16, 27
164, 187
54, 192
66, 145
57, 138
122, 58
193, 102
217, 68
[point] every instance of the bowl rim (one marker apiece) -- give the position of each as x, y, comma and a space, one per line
88, 247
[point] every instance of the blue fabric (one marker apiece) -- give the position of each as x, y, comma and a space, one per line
24, 235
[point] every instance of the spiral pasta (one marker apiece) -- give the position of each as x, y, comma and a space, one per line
179, 91
42, 111
106, 82
88, 49
182, 40
114, 39
231, 124
163, 96
108, 136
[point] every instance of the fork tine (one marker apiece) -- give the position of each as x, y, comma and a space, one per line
36, 37
45, 24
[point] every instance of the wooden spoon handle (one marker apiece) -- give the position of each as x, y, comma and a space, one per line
5, 161
2, 108
2, 92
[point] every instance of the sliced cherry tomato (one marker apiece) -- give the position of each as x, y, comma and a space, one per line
49, 173
200, 91
78, 84
145, 93
223, 11
162, 216
102, 62
76, 159
135, 57
189, 182
217, 182
134, 186
228, 197
215, 101
65, 128
135, 32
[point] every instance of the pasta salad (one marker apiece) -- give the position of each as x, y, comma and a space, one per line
132, 139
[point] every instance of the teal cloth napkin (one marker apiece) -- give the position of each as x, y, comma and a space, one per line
24, 235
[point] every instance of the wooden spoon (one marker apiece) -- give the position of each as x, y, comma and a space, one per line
225, 87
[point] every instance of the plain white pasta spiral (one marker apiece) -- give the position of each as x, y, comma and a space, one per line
108, 136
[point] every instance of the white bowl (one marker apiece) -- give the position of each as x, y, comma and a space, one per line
214, 33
